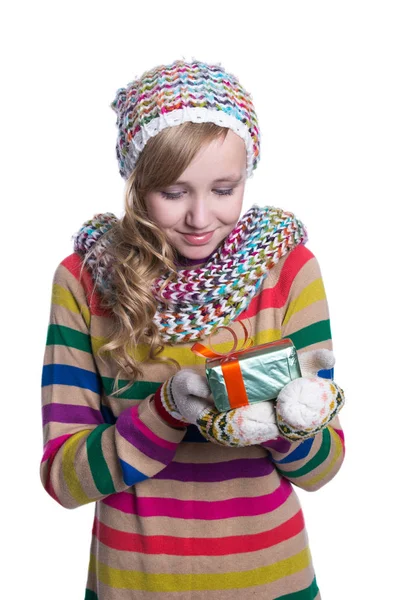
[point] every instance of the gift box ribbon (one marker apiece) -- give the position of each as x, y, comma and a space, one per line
229, 364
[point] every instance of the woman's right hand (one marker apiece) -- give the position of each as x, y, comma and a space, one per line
191, 393
184, 397
245, 426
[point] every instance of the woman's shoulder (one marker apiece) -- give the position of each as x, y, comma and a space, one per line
70, 268
293, 262
73, 283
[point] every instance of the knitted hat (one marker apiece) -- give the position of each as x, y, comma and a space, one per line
167, 96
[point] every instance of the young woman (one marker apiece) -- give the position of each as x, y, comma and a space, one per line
190, 503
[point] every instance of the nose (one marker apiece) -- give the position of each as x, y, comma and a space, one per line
198, 214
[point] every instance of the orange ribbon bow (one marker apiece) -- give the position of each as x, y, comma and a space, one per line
230, 367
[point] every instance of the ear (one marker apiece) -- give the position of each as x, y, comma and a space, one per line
314, 360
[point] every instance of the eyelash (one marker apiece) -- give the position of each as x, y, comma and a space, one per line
176, 196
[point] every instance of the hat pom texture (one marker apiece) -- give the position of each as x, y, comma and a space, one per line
169, 95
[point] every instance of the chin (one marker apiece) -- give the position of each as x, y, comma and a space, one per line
197, 251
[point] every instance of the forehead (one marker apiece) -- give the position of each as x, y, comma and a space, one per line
223, 159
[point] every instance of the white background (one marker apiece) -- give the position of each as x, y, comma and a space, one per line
325, 82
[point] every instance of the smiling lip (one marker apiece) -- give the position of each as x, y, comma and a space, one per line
198, 239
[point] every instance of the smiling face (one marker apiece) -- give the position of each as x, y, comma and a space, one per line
202, 207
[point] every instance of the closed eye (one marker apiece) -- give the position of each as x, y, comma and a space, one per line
172, 195
224, 192
177, 195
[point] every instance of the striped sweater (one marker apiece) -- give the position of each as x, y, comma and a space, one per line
177, 517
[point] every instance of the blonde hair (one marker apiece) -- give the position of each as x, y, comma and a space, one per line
140, 251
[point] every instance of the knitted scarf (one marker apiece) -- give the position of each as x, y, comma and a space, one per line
199, 300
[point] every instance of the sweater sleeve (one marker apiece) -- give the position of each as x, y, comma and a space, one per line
313, 462
85, 457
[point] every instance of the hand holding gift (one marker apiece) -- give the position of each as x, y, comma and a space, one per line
304, 406
186, 398
183, 398
245, 379
308, 404
245, 426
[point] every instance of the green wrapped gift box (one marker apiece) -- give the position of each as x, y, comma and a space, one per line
253, 375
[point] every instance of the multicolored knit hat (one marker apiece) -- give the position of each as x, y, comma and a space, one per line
169, 95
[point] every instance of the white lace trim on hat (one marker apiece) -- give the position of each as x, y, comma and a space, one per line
182, 115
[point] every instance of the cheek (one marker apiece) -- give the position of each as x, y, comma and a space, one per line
164, 214
230, 214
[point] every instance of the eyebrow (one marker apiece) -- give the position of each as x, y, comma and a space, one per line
230, 178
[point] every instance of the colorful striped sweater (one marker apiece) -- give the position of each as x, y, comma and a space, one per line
177, 517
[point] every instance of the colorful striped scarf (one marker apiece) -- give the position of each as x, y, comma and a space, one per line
199, 300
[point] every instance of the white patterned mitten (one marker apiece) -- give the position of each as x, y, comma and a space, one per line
308, 404
244, 426
183, 398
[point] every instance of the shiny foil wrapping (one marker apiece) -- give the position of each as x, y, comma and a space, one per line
264, 371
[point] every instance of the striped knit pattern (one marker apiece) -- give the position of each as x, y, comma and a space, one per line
169, 95
178, 517
204, 298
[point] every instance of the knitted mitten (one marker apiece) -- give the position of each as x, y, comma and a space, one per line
308, 404
183, 398
244, 426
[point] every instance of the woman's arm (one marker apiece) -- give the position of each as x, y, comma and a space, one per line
85, 458
311, 463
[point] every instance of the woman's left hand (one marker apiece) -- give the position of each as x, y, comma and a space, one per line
307, 404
